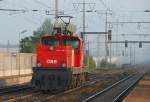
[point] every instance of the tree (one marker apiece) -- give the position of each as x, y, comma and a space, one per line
28, 44
105, 64
46, 27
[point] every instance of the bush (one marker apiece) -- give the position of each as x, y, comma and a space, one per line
105, 64
92, 64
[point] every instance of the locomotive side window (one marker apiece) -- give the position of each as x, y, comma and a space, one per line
72, 43
51, 42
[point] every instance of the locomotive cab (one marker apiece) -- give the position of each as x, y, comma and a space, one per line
60, 51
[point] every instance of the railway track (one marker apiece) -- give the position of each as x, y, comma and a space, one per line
116, 92
38, 96
29, 94
11, 89
11, 92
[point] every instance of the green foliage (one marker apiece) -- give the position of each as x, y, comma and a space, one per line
88, 60
105, 64
28, 44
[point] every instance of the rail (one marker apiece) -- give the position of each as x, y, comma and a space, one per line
14, 88
122, 95
106, 89
123, 92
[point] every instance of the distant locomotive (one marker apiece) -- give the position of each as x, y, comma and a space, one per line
59, 63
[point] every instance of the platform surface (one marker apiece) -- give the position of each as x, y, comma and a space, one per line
141, 93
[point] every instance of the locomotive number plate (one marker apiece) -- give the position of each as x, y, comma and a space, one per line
51, 61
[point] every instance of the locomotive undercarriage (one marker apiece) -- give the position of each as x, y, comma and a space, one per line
56, 79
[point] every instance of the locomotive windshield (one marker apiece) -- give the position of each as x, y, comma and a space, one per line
72, 43
51, 42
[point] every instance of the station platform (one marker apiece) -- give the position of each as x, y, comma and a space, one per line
141, 93
15, 77
14, 72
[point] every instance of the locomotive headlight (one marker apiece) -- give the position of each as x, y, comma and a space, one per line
55, 61
63, 64
51, 48
39, 64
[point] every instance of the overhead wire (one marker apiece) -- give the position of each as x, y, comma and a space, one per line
102, 2
43, 4
24, 9
34, 17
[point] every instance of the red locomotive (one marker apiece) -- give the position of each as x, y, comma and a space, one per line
59, 62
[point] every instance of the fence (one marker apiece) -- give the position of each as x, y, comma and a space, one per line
16, 63
16, 68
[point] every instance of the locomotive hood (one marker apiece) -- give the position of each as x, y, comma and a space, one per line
57, 57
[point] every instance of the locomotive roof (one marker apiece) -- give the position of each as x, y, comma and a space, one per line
63, 36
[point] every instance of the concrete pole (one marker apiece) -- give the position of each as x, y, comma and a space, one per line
106, 45
83, 19
56, 9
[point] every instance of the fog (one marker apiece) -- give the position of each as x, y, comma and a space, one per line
121, 10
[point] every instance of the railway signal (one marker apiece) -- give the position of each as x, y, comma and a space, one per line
140, 44
126, 43
109, 35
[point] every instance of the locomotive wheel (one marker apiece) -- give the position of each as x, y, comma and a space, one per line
74, 81
80, 77
79, 80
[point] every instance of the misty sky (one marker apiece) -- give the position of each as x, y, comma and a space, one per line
11, 23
